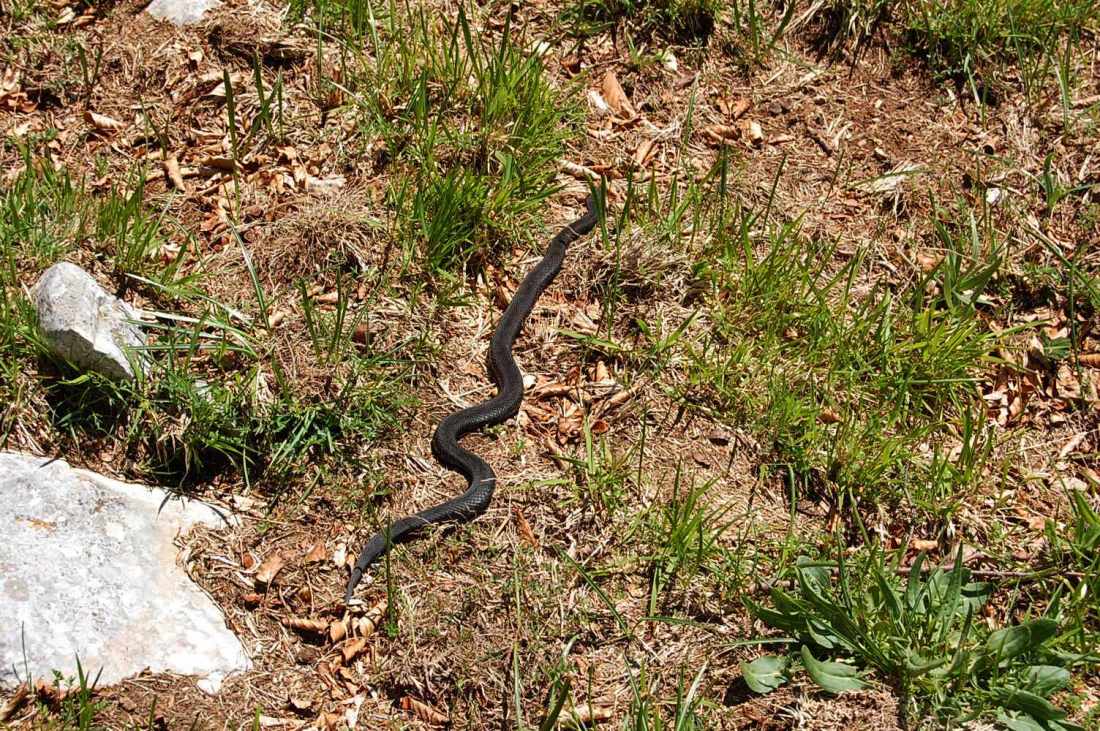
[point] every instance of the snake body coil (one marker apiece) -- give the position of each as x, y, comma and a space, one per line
503, 406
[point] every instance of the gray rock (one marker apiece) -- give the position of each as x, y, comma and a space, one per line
88, 570
86, 325
181, 12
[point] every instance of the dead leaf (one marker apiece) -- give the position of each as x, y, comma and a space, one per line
739, 108
9, 82
353, 648
928, 262
618, 399
102, 122
18, 698
368, 623
571, 65
304, 624
1073, 443
330, 721
616, 97
598, 103
49, 694
553, 389
919, 544
602, 373
317, 552
1091, 477
587, 714
1092, 360
337, 631
722, 134
1068, 385
644, 153
172, 170
218, 164
828, 416
754, 133
423, 711
583, 323
269, 569
524, 529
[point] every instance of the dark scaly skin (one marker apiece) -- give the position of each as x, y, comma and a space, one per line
500, 408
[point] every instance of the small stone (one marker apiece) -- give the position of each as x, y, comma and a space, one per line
181, 12
85, 325
88, 570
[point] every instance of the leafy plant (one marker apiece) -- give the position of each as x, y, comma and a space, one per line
920, 634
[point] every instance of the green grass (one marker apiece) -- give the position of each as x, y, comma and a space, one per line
472, 131
1036, 45
686, 538
849, 388
78, 707
215, 396
963, 37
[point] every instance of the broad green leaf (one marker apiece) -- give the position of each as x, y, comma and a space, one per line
818, 575
1045, 679
1064, 725
918, 665
1033, 705
975, 595
823, 636
787, 604
889, 597
833, 677
961, 662
789, 618
914, 591
1009, 642
765, 674
1018, 722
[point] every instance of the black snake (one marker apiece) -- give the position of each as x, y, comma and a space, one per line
503, 406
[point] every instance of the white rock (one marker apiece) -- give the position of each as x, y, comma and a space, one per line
88, 570
181, 12
86, 325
